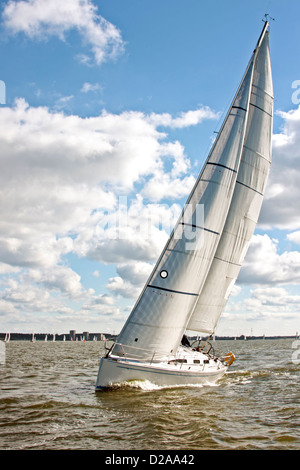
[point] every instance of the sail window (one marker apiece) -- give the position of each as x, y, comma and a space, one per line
164, 274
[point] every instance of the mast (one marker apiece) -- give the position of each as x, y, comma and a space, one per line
262, 35
247, 198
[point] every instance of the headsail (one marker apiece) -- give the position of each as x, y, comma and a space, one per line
164, 307
247, 199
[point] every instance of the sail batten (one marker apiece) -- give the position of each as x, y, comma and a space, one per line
198, 226
249, 187
222, 166
173, 291
261, 109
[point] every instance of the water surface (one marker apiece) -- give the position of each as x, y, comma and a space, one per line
48, 401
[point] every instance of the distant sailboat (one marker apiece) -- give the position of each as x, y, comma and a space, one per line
191, 282
32, 338
46, 338
7, 338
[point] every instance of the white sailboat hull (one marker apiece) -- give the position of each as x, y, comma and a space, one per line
113, 371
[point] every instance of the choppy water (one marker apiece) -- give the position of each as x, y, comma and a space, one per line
47, 401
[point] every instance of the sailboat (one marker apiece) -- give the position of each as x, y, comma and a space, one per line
7, 338
194, 275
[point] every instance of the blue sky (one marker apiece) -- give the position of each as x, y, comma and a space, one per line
116, 101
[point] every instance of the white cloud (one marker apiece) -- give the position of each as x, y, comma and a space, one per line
96, 302
60, 179
63, 102
172, 184
26, 297
131, 279
275, 297
59, 278
61, 175
185, 119
281, 208
43, 18
273, 269
6, 308
86, 87
101, 308
270, 264
163, 186
135, 273
123, 288
269, 310
134, 231
294, 237
265, 266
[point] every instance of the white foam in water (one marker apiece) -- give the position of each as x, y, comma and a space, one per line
144, 385
149, 386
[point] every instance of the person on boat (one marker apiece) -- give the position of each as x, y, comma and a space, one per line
185, 341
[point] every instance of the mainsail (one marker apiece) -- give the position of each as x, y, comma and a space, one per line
187, 287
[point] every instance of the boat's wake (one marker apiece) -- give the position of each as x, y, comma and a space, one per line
148, 386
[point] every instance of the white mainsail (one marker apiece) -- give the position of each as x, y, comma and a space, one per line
167, 301
247, 198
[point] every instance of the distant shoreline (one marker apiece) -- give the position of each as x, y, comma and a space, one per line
110, 337
59, 337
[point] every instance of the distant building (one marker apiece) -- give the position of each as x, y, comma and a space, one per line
72, 335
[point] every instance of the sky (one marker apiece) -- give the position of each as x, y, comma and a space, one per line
108, 110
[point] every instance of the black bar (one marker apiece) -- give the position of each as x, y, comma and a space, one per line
202, 228
174, 291
249, 187
222, 166
261, 109
239, 107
